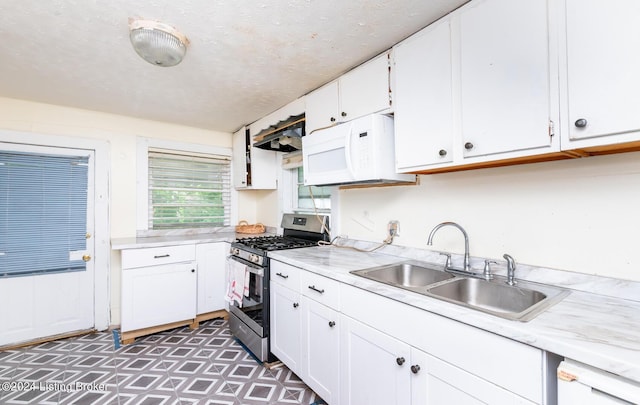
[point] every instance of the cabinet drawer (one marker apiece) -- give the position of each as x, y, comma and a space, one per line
285, 275
133, 258
320, 289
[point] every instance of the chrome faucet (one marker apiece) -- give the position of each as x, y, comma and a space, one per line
511, 269
467, 265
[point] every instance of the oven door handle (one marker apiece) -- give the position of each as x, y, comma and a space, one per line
252, 268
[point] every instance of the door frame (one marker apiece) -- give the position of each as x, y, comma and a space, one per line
102, 248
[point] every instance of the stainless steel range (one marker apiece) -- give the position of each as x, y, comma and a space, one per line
249, 320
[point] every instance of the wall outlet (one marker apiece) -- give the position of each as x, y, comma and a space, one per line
394, 228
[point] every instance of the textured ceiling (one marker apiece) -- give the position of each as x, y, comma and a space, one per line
246, 58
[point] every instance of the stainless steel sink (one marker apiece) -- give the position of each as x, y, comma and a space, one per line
409, 275
521, 302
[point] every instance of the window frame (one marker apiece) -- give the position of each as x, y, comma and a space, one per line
295, 195
142, 175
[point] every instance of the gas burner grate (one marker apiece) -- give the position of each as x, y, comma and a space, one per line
270, 243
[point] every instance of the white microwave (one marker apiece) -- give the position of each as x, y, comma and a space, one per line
357, 151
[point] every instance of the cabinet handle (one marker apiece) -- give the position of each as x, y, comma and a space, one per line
442, 152
344, 114
581, 123
415, 369
313, 287
282, 275
160, 256
332, 119
400, 361
468, 146
332, 324
296, 305
193, 270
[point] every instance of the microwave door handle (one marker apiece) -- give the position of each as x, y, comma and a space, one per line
347, 151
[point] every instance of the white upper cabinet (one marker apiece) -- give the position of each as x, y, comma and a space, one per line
504, 77
423, 98
600, 72
361, 91
322, 107
365, 89
240, 158
253, 168
477, 86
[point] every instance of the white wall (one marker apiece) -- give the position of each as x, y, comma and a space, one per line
121, 133
580, 215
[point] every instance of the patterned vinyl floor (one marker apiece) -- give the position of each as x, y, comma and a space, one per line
181, 366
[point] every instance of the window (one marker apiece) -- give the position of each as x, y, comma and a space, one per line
311, 198
43, 212
188, 190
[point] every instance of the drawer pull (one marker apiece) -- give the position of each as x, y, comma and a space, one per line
400, 360
282, 275
313, 287
415, 369
160, 256
295, 305
332, 324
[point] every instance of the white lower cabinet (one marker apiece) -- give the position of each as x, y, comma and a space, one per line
375, 366
437, 382
211, 276
286, 324
321, 349
358, 347
158, 295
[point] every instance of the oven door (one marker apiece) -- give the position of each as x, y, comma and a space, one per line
251, 312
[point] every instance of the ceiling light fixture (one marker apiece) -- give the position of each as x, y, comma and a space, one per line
157, 43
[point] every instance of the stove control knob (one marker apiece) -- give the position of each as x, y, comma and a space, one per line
235, 251
254, 258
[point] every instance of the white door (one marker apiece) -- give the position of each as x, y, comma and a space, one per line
46, 303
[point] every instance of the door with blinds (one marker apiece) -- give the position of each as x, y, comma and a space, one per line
46, 243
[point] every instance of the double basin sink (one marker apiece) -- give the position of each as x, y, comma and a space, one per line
521, 302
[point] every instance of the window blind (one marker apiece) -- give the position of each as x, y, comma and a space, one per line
188, 191
43, 212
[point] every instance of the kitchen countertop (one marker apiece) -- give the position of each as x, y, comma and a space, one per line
600, 330
177, 239
169, 240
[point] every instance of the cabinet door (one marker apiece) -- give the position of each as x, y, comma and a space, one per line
322, 107
437, 382
423, 99
252, 167
286, 323
504, 77
321, 350
602, 79
365, 89
158, 295
240, 174
375, 366
211, 276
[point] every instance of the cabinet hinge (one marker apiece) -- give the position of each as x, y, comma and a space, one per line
551, 128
